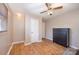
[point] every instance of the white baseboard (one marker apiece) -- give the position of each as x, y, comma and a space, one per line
32, 42
39, 41
10, 49
18, 42
28, 43
12, 46
74, 47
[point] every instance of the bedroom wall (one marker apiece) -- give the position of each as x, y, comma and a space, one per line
66, 20
27, 29
43, 29
6, 37
18, 27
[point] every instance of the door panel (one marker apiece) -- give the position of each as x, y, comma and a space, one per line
34, 30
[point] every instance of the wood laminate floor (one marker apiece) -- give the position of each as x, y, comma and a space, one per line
46, 47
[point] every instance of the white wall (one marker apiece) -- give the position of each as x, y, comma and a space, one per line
40, 28
66, 20
18, 27
6, 37
43, 29
27, 29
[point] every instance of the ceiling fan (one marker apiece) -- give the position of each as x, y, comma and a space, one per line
49, 8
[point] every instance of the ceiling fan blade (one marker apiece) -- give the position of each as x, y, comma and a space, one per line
43, 12
48, 5
60, 7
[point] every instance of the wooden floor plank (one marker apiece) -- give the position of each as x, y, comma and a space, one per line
46, 47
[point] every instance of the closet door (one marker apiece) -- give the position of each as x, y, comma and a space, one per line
34, 30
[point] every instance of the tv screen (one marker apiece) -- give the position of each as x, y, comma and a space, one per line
61, 36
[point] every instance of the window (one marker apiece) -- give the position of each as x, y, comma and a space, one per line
3, 17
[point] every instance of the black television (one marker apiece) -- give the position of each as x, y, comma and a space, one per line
61, 36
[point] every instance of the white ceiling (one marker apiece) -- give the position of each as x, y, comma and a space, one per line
36, 8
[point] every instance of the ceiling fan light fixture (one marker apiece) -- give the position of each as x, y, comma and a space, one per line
50, 13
